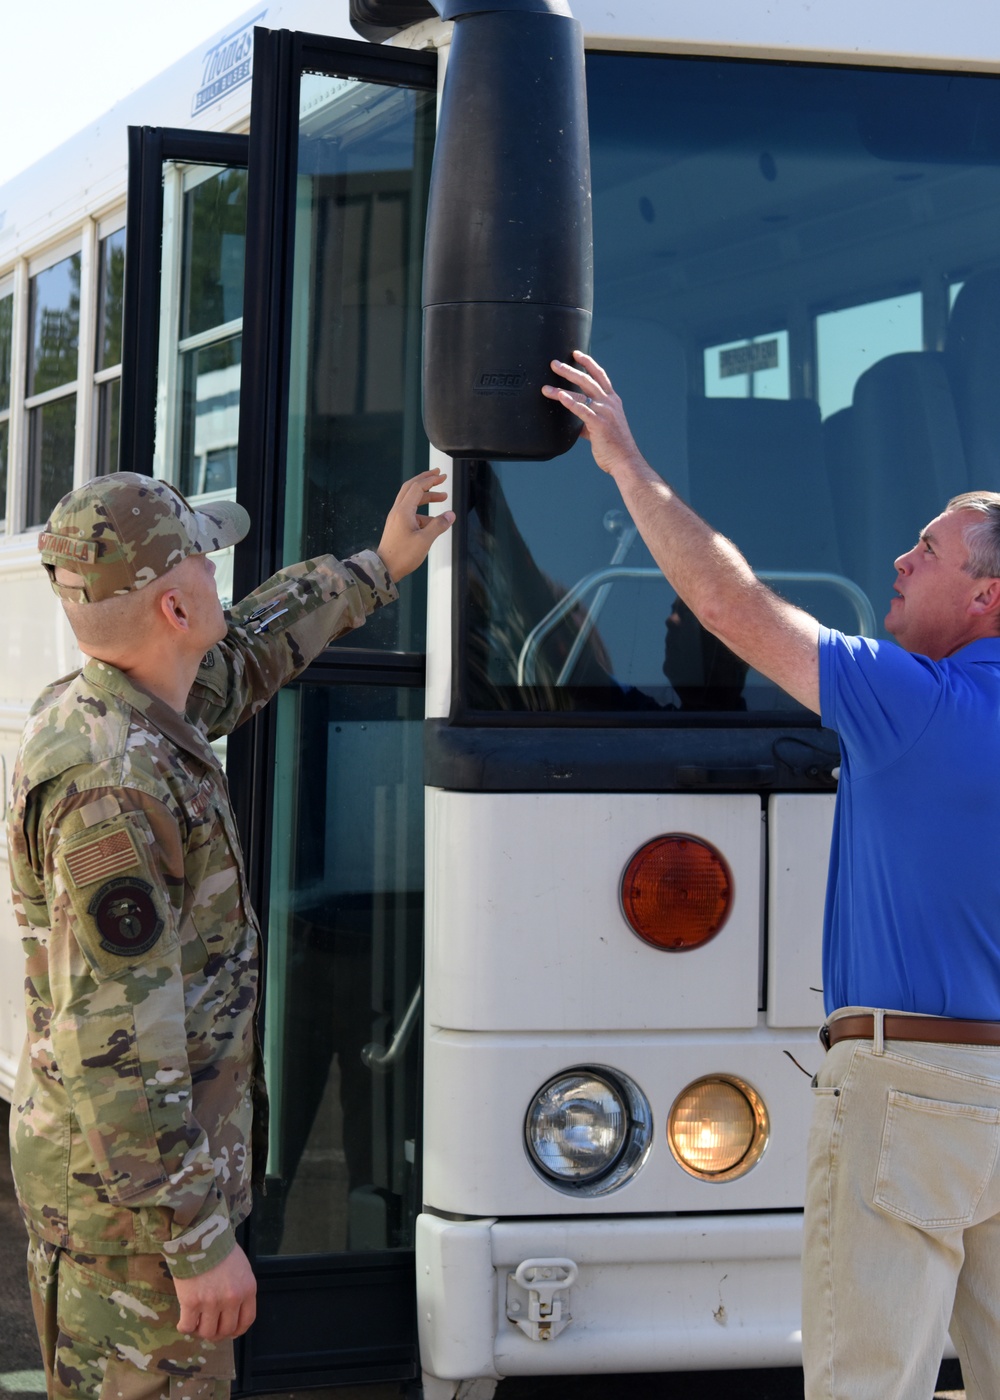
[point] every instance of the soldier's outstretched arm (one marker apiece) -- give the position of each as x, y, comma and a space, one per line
278, 629
706, 569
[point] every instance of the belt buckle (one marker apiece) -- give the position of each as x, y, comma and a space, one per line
824, 1036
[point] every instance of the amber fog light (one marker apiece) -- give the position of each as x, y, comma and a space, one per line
718, 1128
677, 892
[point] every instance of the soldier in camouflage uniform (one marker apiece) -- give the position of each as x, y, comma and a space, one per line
139, 1106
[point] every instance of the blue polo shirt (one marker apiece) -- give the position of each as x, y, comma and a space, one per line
913, 900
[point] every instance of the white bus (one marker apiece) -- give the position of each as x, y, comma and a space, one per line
541, 865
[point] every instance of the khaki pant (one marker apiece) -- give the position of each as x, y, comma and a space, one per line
108, 1330
902, 1224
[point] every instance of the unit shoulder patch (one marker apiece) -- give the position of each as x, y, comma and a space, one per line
125, 914
118, 905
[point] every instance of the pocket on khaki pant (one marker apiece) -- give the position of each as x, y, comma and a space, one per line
936, 1160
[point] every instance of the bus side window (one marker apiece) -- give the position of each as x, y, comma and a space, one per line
50, 400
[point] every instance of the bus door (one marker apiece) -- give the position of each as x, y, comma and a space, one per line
319, 364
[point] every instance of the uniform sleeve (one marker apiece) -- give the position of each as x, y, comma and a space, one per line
877, 697
278, 629
114, 889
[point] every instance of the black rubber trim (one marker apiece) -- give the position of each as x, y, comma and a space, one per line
624, 759
354, 58
358, 666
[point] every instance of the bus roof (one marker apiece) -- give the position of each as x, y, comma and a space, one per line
906, 33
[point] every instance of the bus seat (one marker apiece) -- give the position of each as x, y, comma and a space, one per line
757, 474
648, 368
972, 352
838, 454
906, 460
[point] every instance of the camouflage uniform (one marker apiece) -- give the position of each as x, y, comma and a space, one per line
131, 1130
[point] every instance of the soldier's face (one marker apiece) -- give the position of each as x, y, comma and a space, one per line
196, 578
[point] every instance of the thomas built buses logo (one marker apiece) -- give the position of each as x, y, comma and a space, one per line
228, 65
500, 381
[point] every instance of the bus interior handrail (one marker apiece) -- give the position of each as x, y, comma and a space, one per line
604, 577
381, 1060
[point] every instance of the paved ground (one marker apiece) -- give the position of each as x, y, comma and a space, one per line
22, 1379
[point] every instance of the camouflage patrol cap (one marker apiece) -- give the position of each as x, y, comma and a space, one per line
120, 532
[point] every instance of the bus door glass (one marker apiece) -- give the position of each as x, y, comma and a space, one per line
797, 295
339, 823
200, 329
345, 918
180, 370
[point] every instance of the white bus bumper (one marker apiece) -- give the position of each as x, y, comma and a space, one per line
647, 1294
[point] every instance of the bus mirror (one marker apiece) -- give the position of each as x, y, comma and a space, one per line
508, 257
508, 263
380, 19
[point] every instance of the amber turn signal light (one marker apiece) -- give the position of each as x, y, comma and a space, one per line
677, 892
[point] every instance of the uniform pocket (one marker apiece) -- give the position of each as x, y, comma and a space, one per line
936, 1160
135, 1323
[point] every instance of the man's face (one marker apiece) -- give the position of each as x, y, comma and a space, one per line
930, 612
195, 578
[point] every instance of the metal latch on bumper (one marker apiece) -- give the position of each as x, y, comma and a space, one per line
538, 1297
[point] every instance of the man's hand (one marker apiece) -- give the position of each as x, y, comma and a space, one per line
600, 411
407, 536
219, 1303
706, 569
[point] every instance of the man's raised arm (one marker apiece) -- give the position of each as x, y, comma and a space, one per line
707, 570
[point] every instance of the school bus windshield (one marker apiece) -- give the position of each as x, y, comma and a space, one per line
798, 297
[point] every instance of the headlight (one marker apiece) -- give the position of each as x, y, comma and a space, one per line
718, 1128
588, 1130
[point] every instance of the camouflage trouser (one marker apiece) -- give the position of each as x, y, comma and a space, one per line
108, 1330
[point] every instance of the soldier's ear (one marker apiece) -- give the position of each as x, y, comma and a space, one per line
172, 608
67, 577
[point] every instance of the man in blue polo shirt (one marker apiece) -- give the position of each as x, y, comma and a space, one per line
902, 1221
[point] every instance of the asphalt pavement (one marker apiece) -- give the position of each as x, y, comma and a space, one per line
21, 1376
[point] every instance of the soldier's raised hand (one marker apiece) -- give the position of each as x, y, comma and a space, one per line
408, 536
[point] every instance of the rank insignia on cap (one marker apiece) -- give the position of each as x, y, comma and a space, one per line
104, 856
126, 916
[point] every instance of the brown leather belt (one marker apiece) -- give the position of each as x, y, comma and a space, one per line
941, 1030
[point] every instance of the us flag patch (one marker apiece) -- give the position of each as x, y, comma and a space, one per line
101, 858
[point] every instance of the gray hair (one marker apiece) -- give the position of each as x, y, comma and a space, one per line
982, 537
